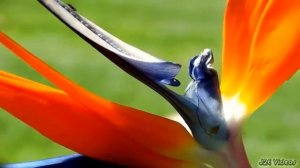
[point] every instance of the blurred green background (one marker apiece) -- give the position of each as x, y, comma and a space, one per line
170, 29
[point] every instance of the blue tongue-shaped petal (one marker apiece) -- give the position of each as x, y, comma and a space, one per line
132, 60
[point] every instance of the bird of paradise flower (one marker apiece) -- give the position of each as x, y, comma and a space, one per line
106, 131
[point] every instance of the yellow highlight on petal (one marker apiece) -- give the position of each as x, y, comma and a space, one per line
234, 110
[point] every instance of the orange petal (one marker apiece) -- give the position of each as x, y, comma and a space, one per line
271, 55
95, 127
240, 20
274, 52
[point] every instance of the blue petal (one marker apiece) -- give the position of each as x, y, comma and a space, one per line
204, 93
162, 72
70, 161
201, 66
132, 60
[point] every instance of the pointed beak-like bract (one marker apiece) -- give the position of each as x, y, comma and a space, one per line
207, 124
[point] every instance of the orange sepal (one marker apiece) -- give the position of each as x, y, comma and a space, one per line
240, 21
274, 53
270, 32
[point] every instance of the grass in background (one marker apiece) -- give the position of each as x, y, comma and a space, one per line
170, 29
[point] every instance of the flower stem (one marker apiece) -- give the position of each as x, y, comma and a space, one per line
234, 153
